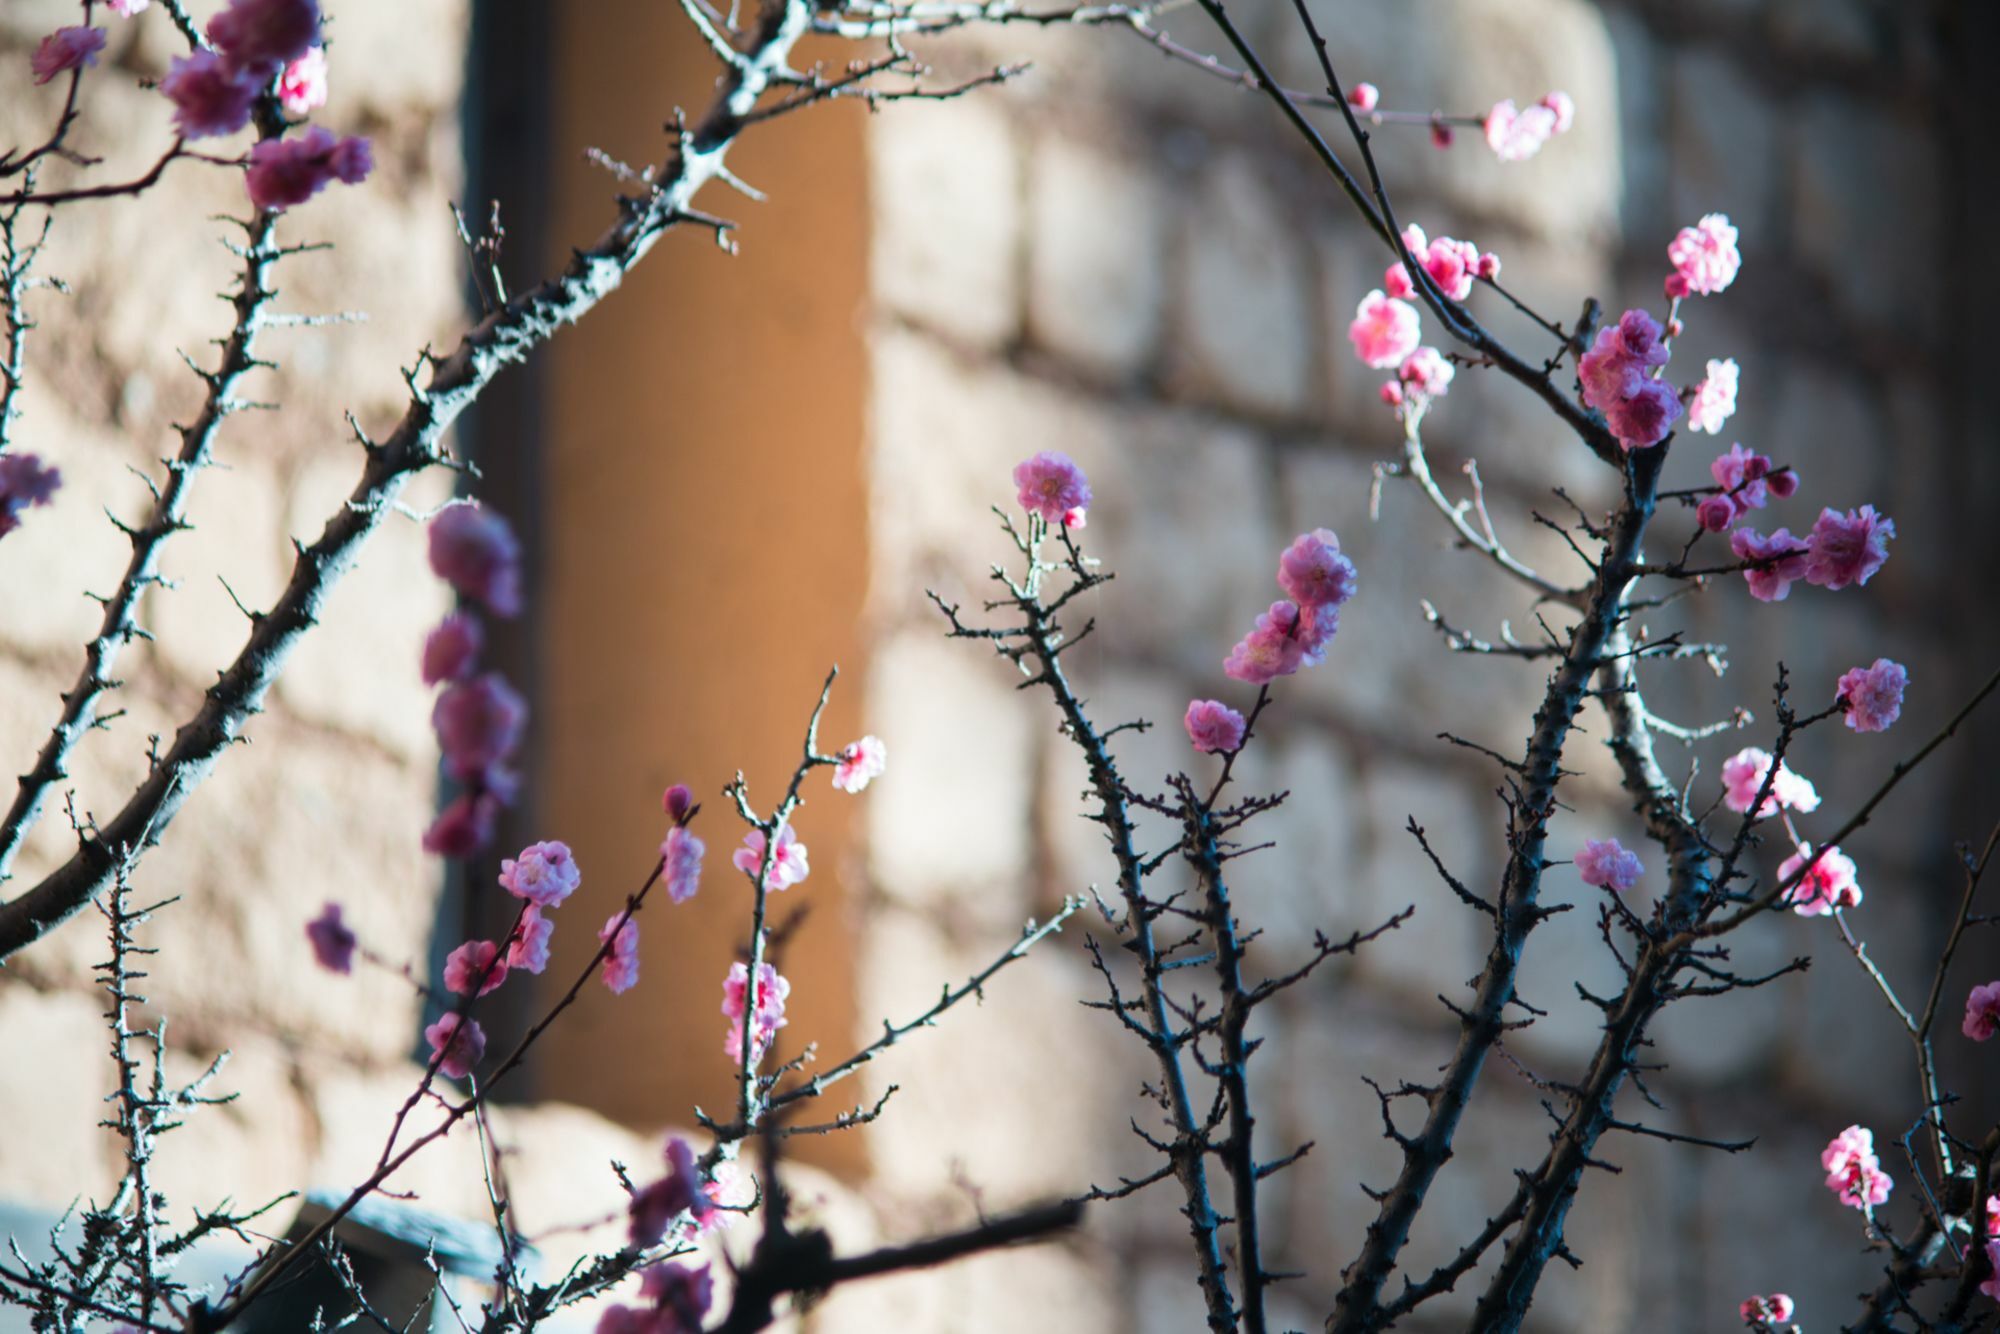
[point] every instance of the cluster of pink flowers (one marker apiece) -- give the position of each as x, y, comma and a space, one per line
681, 1191
1604, 862
1982, 1021
1387, 331
66, 49
1765, 1313
1841, 549
1853, 1172
1516, 134
24, 480
860, 763
1713, 401
1743, 777
1618, 377
1873, 695
1451, 264
1828, 881
680, 1295
1748, 482
1295, 633
1052, 486
1213, 726
479, 718
621, 960
767, 1012
1704, 257
788, 860
458, 1044
287, 172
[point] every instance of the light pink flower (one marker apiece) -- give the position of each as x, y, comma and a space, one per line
1705, 256
767, 1012
264, 35
127, 8
621, 964
473, 550
451, 651
1516, 135
1604, 862
469, 963
1743, 777
528, 947
1423, 376
1847, 548
210, 96
1317, 626
463, 827
1364, 97
682, 853
1272, 649
1873, 695
861, 762
66, 49
287, 172
1982, 1020
1564, 110
544, 874
333, 941
478, 724
1050, 484
1314, 572
1827, 884
1385, 330
788, 862
1213, 726
458, 1042
1782, 560
1714, 399
1775, 1309
302, 87
1852, 1170
1489, 266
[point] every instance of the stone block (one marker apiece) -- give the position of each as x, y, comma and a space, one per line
1027, 1290
1096, 233
1443, 945
53, 1078
236, 547
1726, 150
1305, 883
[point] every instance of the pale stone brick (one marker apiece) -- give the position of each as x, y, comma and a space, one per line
248, 1151
1726, 146
1440, 947
235, 546
55, 1068
1305, 883
1097, 224
1866, 212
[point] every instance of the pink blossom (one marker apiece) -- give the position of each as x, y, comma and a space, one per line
788, 863
1317, 627
333, 941
264, 35
1990, 1285
1442, 134
473, 550
127, 8
1451, 264
1314, 572
1775, 1309
66, 49
1715, 514
1781, 560
681, 854
24, 481
1423, 376
463, 827
1271, 650
1827, 884
767, 1012
476, 962
1852, 1170
528, 947
1604, 862
287, 172
677, 801
1742, 475
1050, 484
1075, 518
1645, 416
1675, 286
1516, 135
1616, 381
1489, 266
861, 762
1391, 393
544, 874
1982, 1020
1562, 107
210, 96
681, 1294
680, 1191
1213, 726
1743, 777
451, 651
302, 87
621, 963
1385, 330
1364, 97
1705, 255
1714, 399
1873, 695
1847, 548
478, 724
458, 1043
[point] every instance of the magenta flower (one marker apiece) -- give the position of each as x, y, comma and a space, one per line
1604, 862
210, 96
767, 1012
1050, 484
333, 941
1704, 256
127, 8
681, 855
1423, 376
1873, 695
1385, 330
1272, 649
1617, 381
478, 724
1714, 399
1780, 560
544, 874
287, 172
1213, 726
1848, 548
1451, 264
1852, 1170
681, 1295
1313, 571
1828, 883
475, 963
861, 762
1364, 97
1775, 1309
1742, 476
788, 863
528, 947
66, 49
463, 827
1743, 777
677, 801
473, 550
1715, 514
24, 481
302, 86
1990, 1286
1982, 1020
451, 651
621, 964
1515, 135
263, 35
458, 1044
681, 1191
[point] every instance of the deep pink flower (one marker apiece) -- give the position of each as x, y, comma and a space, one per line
1847, 548
544, 874
861, 762
1213, 726
1852, 1170
1423, 376
1451, 264
677, 801
263, 35
1442, 134
1050, 484
460, 1044
1705, 255
210, 96
1364, 97
463, 827
24, 481
473, 550
1781, 557
1714, 399
1314, 572
680, 1191
528, 947
681, 1295
767, 1012
1990, 1285
476, 962
1564, 110
1742, 475
1075, 518
287, 172
333, 941
788, 862
1391, 393
451, 651
1616, 380
1489, 266
1385, 330
1715, 514
1272, 649
302, 87
1604, 862
66, 49
127, 8
682, 853
1827, 884
478, 724
1516, 135
1982, 1018
621, 964
1873, 695
1644, 416
1775, 1309
1743, 777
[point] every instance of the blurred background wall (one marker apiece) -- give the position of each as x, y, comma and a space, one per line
746, 468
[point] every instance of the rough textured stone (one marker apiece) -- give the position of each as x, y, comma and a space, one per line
1725, 147
1865, 215
235, 551
1096, 233
56, 1071
1442, 946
